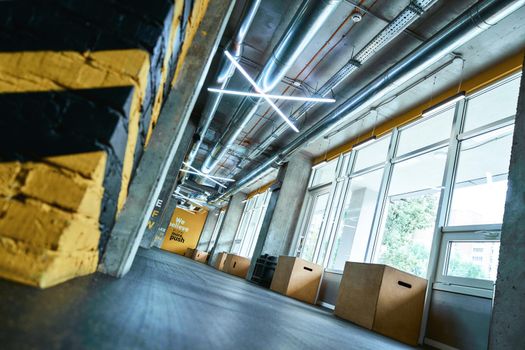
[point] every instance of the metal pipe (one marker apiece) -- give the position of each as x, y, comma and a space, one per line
469, 24
414, 10
223, 77
308, 19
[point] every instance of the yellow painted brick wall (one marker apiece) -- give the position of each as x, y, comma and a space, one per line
50, 207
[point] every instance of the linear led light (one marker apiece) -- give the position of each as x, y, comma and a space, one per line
319, 165
275, 97
258, 89
365, 142
209, 176
202, 174
444, 104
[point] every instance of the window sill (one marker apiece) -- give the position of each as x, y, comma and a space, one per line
454, 288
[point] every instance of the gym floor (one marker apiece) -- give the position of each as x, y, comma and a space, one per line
170, 302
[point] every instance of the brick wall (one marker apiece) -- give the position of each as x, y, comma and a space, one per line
82, 84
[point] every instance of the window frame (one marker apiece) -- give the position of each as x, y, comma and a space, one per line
475, 286
341, 183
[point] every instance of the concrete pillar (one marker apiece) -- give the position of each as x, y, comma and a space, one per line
229, 227
165, 203
281, 228
508, 317
154, 165
208, 228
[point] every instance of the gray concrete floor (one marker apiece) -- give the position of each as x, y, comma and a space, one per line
170, 302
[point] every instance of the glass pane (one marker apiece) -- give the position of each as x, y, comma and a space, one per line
353, 232
324, 174
426, 133
495, 104
216, 229
250, 233
473, 259
314, 226
371, 155
481, 180
408, 226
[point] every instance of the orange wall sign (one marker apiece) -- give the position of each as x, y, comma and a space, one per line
183, 231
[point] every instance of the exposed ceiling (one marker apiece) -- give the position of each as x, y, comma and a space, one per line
333, 46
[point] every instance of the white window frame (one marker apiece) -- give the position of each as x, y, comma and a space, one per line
465, 285
216, 230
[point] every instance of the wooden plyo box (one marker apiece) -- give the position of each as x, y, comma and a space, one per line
189, 253
221, 259
297, 278
236, 265
200, 256
383, 299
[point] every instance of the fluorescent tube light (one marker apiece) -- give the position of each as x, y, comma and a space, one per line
202, 174
209, 176
444, 104
258, 89
275, 97
365, 142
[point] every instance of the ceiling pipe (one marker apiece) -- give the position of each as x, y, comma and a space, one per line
400, 24
226, 69
308, 19
468, 25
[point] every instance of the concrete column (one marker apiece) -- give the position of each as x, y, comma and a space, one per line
154, 165
165, 203
229, 227
508, 317
209, 226
283, 222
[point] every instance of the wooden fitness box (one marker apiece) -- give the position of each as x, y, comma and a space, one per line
383, 299
236, 265
297, 278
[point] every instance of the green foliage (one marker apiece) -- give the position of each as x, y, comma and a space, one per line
405, 218
459, 267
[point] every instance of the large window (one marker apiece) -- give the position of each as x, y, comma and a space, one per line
427, 199
250, 225
353, 231
481, 180
216, 230
410, 213
318, 208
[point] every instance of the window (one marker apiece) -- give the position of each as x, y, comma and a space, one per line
464, 260
216, 230
469, 258
373, 154
324, 174
381, 202
250, 225
492, 105
355, 222
410, 214
481, 180
319, 203
427, 132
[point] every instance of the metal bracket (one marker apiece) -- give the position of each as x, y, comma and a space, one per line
355, 63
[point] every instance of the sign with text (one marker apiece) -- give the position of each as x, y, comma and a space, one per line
183, 231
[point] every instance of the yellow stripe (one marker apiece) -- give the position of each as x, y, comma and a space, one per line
261, 189
58, 71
